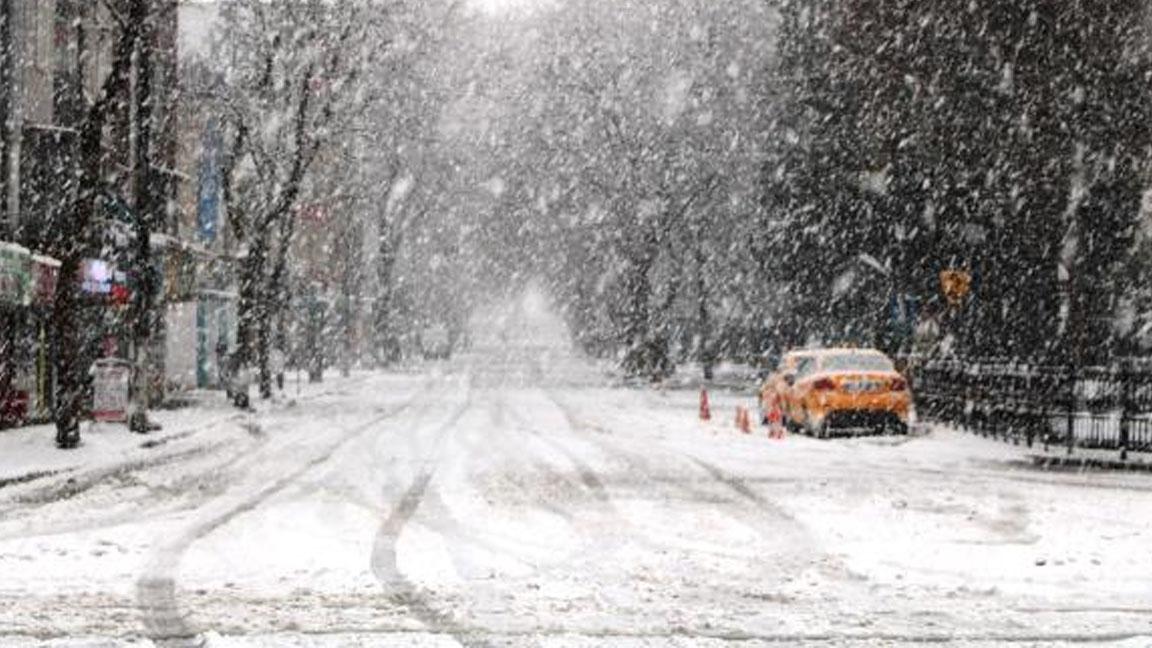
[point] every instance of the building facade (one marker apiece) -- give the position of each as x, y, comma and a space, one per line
55, 55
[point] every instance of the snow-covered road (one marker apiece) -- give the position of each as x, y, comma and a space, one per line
510, 497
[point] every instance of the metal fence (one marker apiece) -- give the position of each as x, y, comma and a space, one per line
1100, 408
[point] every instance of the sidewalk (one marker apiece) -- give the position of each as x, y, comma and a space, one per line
30, 453
1057, 457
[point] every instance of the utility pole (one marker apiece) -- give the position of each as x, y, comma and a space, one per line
7, 65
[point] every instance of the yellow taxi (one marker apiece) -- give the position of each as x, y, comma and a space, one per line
828, 390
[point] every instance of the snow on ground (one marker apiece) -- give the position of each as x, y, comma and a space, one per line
513, 496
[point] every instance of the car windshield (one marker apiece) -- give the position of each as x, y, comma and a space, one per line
805, 366
857, 362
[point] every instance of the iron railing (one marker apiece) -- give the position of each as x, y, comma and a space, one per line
1100, 408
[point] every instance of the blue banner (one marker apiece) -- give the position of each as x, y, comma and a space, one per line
208, 203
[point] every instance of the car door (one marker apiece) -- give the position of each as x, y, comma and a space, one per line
771, 387
790, 396
779, 386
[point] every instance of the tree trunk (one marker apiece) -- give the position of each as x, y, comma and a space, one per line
263, 350
251, 297
645, 355
315, 335
70, 367
144, 201
704, 332
347, 330
387, 347
7, 60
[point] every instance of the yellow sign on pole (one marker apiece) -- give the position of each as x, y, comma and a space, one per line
955, 284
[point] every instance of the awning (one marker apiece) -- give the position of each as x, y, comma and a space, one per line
15, 275
218, 295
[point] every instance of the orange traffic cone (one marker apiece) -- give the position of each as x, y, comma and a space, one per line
705, 408
775, 421
743, 420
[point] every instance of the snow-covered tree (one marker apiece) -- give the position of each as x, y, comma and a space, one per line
296, 85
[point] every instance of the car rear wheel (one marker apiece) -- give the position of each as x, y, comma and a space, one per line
786, 421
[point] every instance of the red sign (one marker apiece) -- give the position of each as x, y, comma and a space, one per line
120, 294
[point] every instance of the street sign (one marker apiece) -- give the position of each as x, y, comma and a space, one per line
96, 277
905, 313
956, 285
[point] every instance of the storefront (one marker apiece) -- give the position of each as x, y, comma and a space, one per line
179, 261
215, 334
16, 345
45, 276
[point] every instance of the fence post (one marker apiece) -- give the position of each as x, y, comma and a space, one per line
1070, 439
971, 377
1126, 372
1029, 415
1045, 428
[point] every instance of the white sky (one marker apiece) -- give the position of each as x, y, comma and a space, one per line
196, 26
500, 6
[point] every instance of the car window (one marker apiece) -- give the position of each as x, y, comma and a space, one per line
805, 367
857, 362
791, 364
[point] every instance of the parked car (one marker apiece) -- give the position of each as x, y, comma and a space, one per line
846, 390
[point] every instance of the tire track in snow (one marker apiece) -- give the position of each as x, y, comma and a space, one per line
604, 505
156, 592
439, 513
584, 472
384, 563
642, 466
511, 426
771, 520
